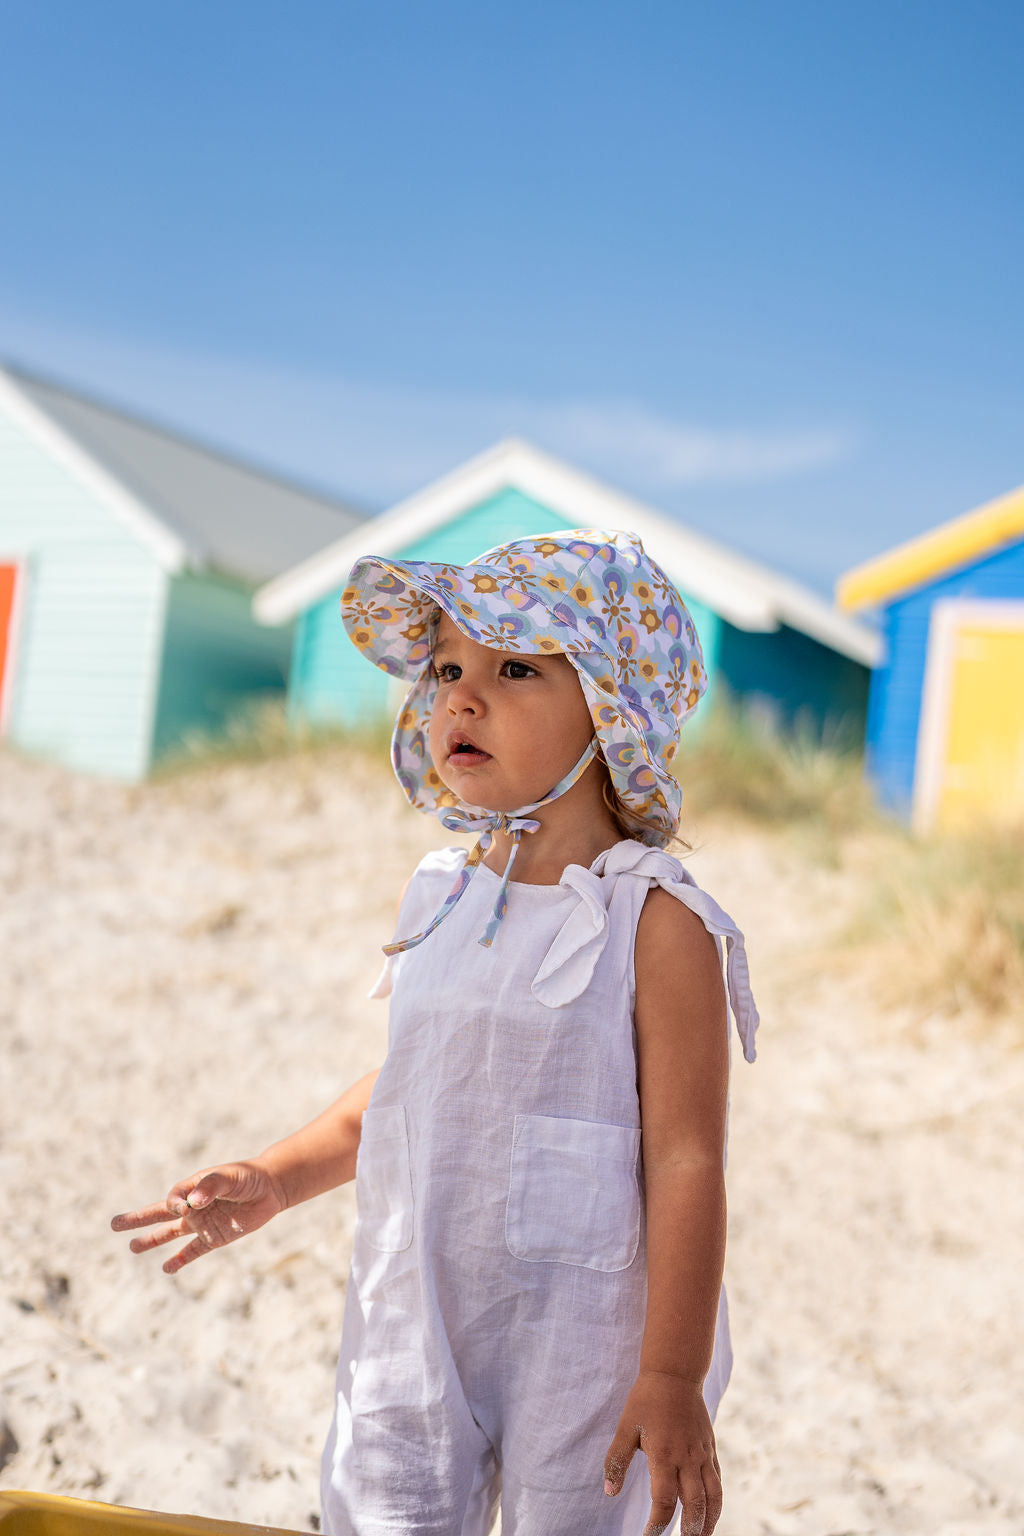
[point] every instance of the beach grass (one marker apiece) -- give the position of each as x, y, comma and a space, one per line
936, 922
261, 729
939, 922
802, 779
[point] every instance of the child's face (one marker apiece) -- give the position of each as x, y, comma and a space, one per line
505, 727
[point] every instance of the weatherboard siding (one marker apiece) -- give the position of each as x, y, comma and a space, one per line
894, 714
331, 682
90, 620
216, 659
795, 680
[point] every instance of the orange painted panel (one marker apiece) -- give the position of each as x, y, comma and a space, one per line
8, 580
984, 764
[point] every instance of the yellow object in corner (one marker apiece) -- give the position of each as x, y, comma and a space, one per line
961, 541
43, 1514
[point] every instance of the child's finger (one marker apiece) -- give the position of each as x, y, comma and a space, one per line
157, 1239
218, 1184
695, 1504
713, 1493
663, 1500
620, 1454
145, 1216
194, 1250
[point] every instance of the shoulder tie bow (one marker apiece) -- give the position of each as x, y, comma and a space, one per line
569, 964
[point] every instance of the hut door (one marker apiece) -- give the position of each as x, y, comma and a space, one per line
10, 574
973, 714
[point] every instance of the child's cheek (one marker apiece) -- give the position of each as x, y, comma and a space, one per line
435, 730
437, 753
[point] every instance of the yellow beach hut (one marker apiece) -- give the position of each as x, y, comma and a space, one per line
945, 731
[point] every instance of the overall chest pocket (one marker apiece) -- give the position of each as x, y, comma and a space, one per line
573, 1192
384, 1181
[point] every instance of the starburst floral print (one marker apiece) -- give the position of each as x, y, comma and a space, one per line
593, 594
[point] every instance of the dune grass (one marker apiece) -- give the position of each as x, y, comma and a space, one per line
260, 729
940, 924
798, 779
938, 921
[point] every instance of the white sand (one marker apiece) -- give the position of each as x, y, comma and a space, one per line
184, 978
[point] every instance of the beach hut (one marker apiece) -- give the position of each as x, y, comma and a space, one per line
766, 638
128, 560
945, 732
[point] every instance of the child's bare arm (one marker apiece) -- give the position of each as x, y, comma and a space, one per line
683, 1071
218, 1205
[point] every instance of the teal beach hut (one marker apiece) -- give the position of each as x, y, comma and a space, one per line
766, 638
128, 560
945, 740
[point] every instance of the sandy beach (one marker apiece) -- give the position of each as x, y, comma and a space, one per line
185, 975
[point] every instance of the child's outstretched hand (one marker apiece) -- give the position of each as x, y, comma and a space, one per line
666, 1418
215, 1206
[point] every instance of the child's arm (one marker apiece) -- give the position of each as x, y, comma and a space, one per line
218, 1205
682, 1047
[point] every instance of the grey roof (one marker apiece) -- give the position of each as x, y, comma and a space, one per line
233, 517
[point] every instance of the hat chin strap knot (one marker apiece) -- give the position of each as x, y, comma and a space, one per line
514, 824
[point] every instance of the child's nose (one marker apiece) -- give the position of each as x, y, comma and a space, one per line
463, 696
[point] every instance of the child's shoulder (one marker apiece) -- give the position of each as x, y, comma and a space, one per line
435, 871
667, 926
440, 862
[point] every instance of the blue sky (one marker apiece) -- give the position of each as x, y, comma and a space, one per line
758, 264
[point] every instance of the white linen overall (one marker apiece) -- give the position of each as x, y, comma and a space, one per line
496, 1304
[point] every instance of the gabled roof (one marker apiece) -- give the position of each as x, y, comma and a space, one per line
191, 504
961, 541
749, 595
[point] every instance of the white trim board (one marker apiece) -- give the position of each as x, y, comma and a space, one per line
748, 595
171, 552
947, 616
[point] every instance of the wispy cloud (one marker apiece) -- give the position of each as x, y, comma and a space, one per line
675, 453
375, 442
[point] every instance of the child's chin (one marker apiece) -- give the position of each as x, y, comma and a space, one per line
475, 786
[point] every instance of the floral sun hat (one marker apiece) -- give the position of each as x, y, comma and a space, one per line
594, 595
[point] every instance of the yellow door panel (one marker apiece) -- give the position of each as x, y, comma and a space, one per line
983, 772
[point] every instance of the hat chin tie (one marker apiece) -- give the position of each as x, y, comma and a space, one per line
514, 823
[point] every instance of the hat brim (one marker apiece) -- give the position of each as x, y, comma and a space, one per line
390, 609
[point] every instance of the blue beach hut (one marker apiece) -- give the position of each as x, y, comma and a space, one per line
128, 560
765, 637
945, 733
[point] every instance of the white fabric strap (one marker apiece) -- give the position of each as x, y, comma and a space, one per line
476, 819
567, 967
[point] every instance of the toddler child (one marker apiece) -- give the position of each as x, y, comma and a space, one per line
536, 1286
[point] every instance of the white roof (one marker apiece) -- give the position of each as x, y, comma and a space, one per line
189, 503
749, 595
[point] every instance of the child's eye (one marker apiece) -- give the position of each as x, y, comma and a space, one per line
518, 669
447, 672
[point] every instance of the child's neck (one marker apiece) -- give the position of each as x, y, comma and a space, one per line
573, 829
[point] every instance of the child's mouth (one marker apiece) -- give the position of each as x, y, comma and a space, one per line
466, 754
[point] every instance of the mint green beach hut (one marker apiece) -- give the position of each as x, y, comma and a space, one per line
766, 638
128, 560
